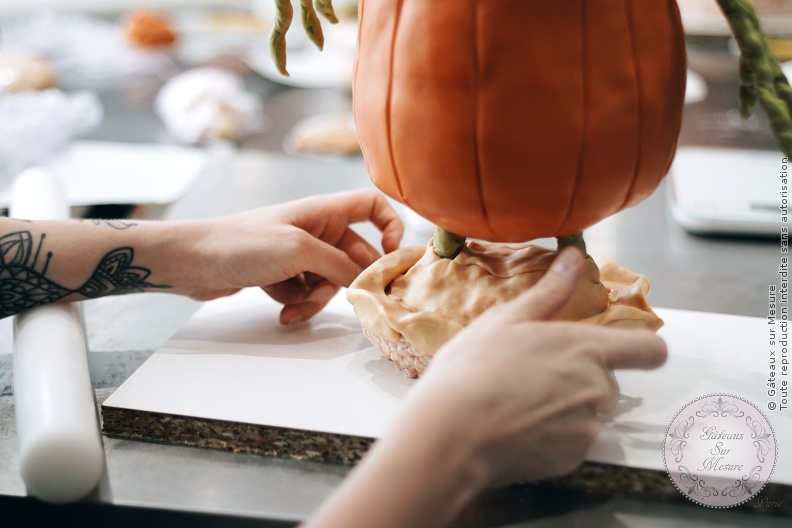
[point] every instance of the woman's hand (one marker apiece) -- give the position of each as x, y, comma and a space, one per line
299, 252
535, 390
511, 397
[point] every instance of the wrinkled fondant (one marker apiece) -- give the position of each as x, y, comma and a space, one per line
410, 302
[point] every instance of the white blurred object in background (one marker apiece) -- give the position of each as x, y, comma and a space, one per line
36, 126
208, 104
697, 89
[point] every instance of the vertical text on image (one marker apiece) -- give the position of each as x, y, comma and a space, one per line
778, 310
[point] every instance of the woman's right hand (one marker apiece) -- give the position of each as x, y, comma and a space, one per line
525, 393
513, 397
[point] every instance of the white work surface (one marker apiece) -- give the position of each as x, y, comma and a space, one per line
103, 172
233, 361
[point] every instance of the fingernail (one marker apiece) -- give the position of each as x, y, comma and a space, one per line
565, 262
296, 318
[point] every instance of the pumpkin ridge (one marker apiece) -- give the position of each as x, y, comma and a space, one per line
676, 16
475, 114
389, 101
358, 39
584, 136
356, 71
634, 48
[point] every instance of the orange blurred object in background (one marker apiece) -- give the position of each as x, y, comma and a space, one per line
148, 29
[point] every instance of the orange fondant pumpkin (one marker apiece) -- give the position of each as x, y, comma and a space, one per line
510, 120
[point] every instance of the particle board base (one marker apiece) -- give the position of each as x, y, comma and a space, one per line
593, 478
231, 436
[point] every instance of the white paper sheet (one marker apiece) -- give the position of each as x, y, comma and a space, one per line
99, 172
234, 362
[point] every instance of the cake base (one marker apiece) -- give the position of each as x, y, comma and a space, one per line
411, 302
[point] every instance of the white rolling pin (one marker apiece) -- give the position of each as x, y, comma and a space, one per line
61, 454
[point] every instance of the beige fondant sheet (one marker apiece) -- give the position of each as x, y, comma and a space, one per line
233, 361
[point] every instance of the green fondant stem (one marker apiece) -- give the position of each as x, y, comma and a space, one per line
325, 8
447, 244
747, 88
575, 240
310, 21
283, 19
311, 24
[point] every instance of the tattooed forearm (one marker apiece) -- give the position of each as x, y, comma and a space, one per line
24, 283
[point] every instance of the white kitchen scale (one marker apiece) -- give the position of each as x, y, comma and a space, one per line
721, 191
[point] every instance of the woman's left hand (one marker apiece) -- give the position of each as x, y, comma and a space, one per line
301, 253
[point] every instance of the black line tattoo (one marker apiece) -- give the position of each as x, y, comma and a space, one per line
118, 225
38, 250
23, 287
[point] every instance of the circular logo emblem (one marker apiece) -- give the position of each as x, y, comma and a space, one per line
719, 450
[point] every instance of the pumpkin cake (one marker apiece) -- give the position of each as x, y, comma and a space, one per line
518, 120
410, 302
511, 121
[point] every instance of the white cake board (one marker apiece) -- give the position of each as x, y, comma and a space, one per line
233, 361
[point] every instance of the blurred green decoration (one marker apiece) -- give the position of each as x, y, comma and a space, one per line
311, 25
761, 77
761, 80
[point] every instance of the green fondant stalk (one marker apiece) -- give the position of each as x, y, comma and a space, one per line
325, 8
283, 19
310, 21
447, 244
747, 88
311, 24
575, 240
